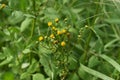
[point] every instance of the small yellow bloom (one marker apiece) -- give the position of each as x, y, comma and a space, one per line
56, 20
53, 28
63, 43
2, 6
41, 38
52, 36
64, 31
49, 24
59, 32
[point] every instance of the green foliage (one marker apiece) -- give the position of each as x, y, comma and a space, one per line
59, 40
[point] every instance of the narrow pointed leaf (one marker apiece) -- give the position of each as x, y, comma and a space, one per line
95, 73
111, 61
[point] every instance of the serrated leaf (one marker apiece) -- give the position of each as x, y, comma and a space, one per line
99, 43
24, 75
93, 61
6, 51
6, 61
45, 61
38, 76
16, 17
25, 51
74, 76
33, 66
72, 63
25, 24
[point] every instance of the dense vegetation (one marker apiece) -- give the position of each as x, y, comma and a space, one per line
59, 40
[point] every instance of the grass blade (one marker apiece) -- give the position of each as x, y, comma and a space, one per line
111, 61
95, 73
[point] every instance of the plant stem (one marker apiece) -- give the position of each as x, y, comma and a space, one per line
34, 20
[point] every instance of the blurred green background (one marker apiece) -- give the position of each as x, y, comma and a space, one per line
94, 46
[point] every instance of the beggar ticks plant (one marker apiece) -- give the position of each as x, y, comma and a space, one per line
59, 40
57, 47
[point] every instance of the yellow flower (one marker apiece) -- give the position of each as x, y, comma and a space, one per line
56, 20
59, 32
53, 28
64, 31
52, 36
49, 24
2, 6
41, 38
63, 43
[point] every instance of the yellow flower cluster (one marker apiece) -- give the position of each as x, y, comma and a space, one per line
62, 32
54, 28
56, 33
52, 36
50, 23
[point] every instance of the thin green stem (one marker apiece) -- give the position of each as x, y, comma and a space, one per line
34, 20
90, 34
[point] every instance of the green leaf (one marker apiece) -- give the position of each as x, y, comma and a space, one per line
99, 42
16, 17
50, 13
45, 61
72, 63
95, 73
65, 1
44, 50
78, 10
31, 69
83, 74
6, 61
73, 30
93, 61
6, 51
33, 66
38, 76
111, 61
25, 51
113, 21
73, 76
25, 24
2, 56
25, 75
8, 76
109, 44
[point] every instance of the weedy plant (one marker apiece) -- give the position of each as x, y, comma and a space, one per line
59, 40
